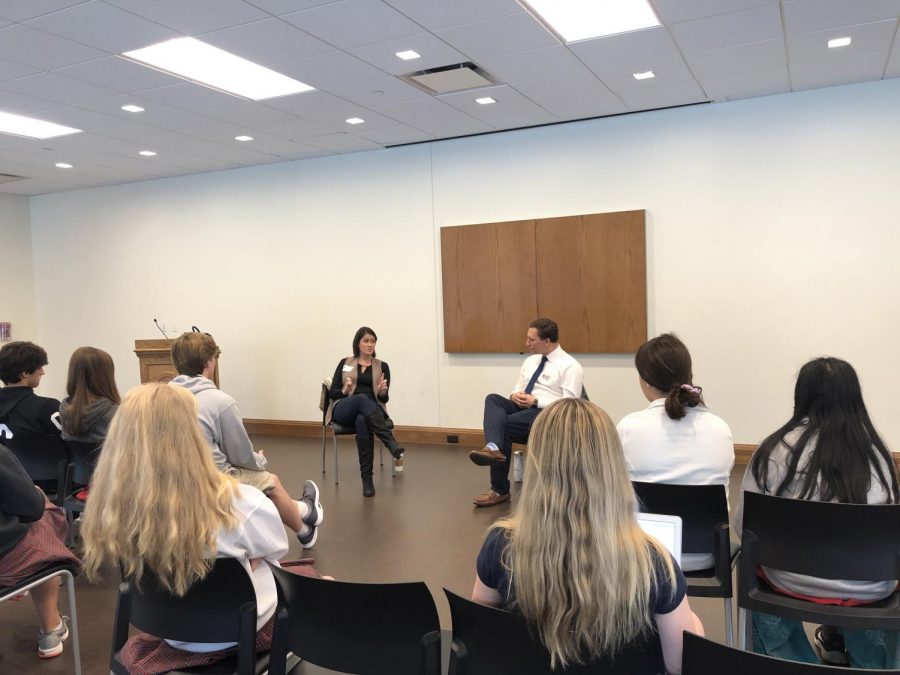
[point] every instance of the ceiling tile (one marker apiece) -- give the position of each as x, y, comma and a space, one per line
328, 70
23, 44
867, 37
350, 23
342, 142
113, 108
199, 126
664, 96
267, 42
743, 85
435, 117
54, 87
383, 55
676, 11
275, 145
248, 114
396, 134
893, 66
809, 16
278, 7
102, 26
11, 71
315, 104
22, 10
718, 63
537, 64
507, 34
511, 109
650, 44
189, 96
572, 95
665, 72
22, 104
119, 74
838, 70
299, 128
436, 14
378, 92
727, 30
86, 120
195, 16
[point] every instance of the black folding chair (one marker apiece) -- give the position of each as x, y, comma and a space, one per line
369, 629
704, 515
45, 459
824, 540
82, 460
67, 572
705, 657
489, 641
219, 608
341, 430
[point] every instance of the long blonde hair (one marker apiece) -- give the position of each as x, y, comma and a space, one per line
157, 500
581, 566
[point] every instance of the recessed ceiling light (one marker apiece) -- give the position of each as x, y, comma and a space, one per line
243, 139
19, 125
408, 55
646, 75
132, 108
63, 165
485, 100
354, 120
585, 19
210, 66
838, 42
147, 153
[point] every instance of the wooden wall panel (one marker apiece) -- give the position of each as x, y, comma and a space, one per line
488, 277
592, 280
587, 272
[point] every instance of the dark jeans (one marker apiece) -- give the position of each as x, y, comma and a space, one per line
505, 423
352, 411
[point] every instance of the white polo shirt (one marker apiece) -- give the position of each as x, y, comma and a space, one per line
698, 449
562, 377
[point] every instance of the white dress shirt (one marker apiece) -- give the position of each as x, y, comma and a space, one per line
561, 377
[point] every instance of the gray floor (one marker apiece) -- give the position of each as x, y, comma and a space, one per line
419, 526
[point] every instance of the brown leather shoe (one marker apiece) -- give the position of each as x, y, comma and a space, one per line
490, 498
487, 456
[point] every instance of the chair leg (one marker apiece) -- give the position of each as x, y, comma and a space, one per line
729, 624
76, 652
743, 628
334, 438
323, 449
381, 454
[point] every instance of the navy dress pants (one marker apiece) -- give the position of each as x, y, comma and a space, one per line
505, 423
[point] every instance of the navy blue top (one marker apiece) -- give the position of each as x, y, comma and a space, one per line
494, 575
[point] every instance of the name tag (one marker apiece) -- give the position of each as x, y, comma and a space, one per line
348, 369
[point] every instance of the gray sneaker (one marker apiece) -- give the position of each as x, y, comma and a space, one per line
50, 644
311, 498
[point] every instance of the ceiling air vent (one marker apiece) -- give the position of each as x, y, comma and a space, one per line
447, 79
10, 178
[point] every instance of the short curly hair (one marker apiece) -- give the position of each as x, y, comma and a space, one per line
20, 357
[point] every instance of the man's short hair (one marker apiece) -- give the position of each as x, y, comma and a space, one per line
192, 351
20, 357
546, 329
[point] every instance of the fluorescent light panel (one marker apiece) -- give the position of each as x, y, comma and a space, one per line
576, 20
407, 55
210, 66
19, 125
839, 42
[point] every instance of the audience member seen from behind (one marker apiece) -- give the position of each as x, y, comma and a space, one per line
573, 559
32, 537
156, 477
676, 439
828, 451
92, 397
22, 412
196, 357
359, 394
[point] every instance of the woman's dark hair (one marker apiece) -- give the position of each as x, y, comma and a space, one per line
20, 357
360, 334
665, 364
828, 406
91, 376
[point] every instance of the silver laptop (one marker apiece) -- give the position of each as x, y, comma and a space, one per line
667, 529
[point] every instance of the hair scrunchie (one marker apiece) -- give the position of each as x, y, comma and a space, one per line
692, 389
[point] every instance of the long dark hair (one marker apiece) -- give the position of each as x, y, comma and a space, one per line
91, 376
828, 406
665, 364
360, 334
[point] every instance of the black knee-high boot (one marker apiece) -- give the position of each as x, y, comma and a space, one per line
378, 425
365, 446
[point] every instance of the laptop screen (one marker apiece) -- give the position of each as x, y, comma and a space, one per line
667, 529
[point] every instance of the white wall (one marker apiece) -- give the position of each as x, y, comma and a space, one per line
16, 258
771, 239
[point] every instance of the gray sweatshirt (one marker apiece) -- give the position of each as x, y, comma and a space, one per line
222, 425
95, 421
801, 583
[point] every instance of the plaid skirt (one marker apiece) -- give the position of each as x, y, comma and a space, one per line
43, 545
145, 654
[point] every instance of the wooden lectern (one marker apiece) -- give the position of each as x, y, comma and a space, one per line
155, 359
